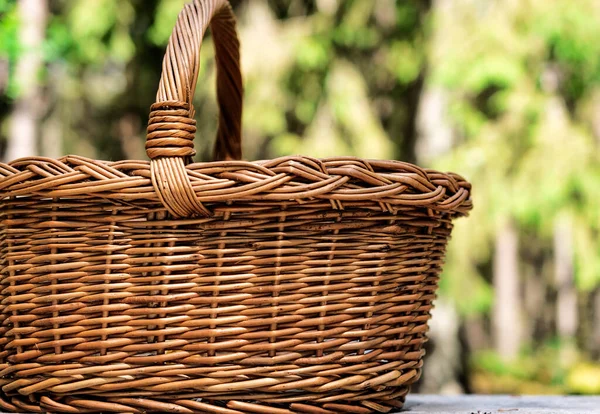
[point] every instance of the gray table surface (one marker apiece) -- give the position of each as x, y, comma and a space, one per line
500, 404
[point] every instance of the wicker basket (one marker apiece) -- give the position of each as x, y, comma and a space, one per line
294, 285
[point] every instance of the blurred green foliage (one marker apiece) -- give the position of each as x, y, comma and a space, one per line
9, 45
536, 371
521, 90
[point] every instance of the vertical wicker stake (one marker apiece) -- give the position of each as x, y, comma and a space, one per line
293, 285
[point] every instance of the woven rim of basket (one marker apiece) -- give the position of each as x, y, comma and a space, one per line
392, 184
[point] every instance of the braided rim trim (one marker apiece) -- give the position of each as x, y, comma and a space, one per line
391, 184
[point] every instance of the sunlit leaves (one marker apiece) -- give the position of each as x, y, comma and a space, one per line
584, 378
313, 52
515, 74
166, 16
404, 61
571, 35
9, 45
8, 29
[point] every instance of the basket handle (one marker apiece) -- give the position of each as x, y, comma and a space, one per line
171, 127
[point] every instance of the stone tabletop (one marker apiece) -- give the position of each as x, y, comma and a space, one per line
482, 404
498, 404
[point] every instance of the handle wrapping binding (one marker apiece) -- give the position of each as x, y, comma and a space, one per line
171, 125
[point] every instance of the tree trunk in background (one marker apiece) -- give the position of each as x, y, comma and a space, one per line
408, 130
595, 122
129, 128
24, 123
435, 134
476, 333
443, 365
52, 134
595, 348
401, 121
51, 144
506, 318
566, 303
535, 290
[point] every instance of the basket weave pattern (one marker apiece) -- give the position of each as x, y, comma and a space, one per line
293, 285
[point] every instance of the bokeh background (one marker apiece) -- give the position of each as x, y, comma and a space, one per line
504, 92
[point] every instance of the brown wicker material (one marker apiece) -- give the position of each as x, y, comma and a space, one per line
294, 285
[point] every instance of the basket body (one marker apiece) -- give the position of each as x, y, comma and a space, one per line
308, 289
